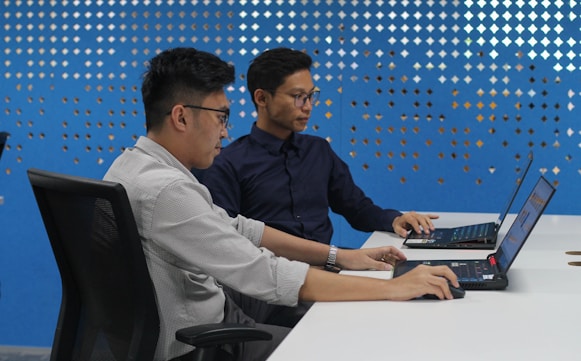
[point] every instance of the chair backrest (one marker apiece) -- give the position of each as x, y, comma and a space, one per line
3, 139
108, 309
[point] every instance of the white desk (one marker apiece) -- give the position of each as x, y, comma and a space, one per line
538, 317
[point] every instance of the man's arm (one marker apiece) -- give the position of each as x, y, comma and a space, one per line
347, 199
321, 285
316, 254
350, 201
294, 248
327, 286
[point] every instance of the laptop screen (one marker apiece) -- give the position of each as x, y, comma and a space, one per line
519, 181
524, 223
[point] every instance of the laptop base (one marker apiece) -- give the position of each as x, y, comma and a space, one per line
473, 275
445, 238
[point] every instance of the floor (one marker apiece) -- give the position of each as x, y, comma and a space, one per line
13, 353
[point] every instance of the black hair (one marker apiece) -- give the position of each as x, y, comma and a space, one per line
181, 75
269, 70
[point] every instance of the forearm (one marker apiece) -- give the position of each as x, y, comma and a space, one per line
373, 218
320, 285
327, 286
294, 248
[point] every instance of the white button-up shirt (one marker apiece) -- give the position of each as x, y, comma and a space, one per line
192, 246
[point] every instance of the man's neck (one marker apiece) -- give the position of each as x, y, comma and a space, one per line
275, 131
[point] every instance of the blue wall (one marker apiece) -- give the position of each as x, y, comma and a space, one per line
432, 104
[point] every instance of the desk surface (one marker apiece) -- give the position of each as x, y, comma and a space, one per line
536, 317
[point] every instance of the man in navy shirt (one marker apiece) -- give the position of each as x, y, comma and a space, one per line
290, 180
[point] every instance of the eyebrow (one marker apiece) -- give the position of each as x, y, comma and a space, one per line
302, 91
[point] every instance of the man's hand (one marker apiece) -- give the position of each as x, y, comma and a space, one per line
379, 258
424, 280
416, 221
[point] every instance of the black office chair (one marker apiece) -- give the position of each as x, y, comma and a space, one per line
108, 309
3, 140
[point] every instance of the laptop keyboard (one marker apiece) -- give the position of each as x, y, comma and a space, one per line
472, 232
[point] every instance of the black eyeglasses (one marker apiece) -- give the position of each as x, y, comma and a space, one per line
223, 118
301, 98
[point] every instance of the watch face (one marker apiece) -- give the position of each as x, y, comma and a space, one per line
332, 256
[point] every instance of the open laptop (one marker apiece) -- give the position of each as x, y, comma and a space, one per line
474, 236
490, 273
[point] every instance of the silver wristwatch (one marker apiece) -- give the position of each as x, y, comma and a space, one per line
331, 259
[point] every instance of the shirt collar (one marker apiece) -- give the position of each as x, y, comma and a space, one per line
157, 151
273, 144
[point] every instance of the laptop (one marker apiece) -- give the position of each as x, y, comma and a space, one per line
490, 273
474, 236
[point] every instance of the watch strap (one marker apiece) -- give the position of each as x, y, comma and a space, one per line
332, 258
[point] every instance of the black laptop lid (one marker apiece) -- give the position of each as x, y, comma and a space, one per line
524, 223
519, 181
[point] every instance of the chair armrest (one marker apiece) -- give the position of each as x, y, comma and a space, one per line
215, 334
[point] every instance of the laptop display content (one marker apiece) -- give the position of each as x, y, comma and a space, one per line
490, 273
475, 236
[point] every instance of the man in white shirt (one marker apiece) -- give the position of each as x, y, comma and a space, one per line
193, 247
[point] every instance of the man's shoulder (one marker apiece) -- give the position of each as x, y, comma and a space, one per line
140, 171
230, 156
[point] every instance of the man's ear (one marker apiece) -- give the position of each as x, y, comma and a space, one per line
260, 96
177, 117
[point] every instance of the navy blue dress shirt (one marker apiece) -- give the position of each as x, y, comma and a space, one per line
290, 185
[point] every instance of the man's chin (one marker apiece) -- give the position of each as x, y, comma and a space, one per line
301, 127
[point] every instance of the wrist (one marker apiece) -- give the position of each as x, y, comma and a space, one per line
331, 264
